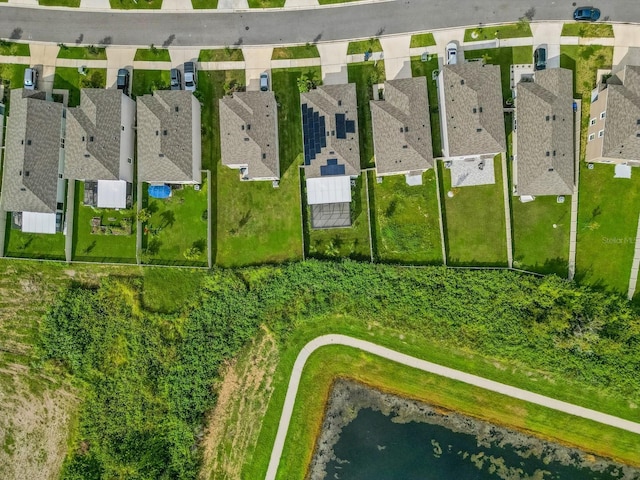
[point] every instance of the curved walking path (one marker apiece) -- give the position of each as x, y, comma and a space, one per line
425, 366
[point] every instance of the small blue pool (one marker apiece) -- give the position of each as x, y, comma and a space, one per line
159, 191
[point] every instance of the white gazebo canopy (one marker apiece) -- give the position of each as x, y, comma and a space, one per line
112, 194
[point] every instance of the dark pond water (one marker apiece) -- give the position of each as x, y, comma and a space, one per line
372, 447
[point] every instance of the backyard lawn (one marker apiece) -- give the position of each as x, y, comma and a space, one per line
176, 232
146, 81
67, 78
474, 223
221, 55
426, 69
32, 245
364, 75
255, 213
511, 30
607, 224
89, 53
114, 239
363, 46
351, 242
601, 30
300, 51
422, 40
152, 54
13, 49
406, 220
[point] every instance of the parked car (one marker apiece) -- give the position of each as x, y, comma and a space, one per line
176, 79
30, 79
540, 58
190, 76
264, 82
452, 53
589, 14
122, 82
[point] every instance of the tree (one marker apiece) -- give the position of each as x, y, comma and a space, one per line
192, 253
144, 215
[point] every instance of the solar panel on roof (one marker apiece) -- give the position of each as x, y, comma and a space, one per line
327, 170
340, 126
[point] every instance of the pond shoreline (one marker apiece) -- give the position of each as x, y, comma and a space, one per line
348, 397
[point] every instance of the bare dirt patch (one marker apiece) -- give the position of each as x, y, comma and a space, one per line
243, 397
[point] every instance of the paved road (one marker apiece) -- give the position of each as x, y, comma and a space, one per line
276, 27
474, 380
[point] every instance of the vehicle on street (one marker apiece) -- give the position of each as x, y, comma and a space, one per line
452, 53
122, 82
589, 14
30, 79
540, 58
264, 82
176, 79
190, 76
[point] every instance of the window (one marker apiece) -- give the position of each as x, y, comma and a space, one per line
122, 126
91, 138
593, 121
129, 160
601, 134
547, 118
547, 154
264, 155
592, 136
602, 115
475, 110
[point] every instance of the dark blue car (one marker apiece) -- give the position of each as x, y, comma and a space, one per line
589, 14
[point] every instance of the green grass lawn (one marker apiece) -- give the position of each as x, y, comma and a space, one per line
602, 30
81, 53
102, 247
608, 212
505, 57
363, 46
185, 284
349, 242
12, 76
146, 81
204, 4
221, 55
364, 75
426, 69
177, 225
32, 245
264, 217
68, 78
511, 30
406, 220
475, 229
152, 55
422, 40
59, 3
14, 49
133, 5
266, 3
300, 51
331, 2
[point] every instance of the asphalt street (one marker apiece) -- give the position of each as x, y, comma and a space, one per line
260, 27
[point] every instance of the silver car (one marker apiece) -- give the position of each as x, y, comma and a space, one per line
30, 79
452, 53
190, 76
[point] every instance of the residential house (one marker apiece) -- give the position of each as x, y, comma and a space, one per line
33, 188
249, 135
99, 147
544, 148
614, 123
169, 149
331, 152
401, 129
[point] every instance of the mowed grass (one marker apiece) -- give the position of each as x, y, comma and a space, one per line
347, 242
406, 219
221, 55
59, 3
67, 78
13, 49
32, 245
152, 55
426, 69
177, 224
101, 248
146, 81
365, 75
475, 230
81, 53
204, 4
422, 40
505, 57
290, 53
601, 30
510, 30
185, 284
266, 3
363, 46
133, 5
256, 214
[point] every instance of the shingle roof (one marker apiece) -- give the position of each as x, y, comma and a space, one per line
545, 134
166, 130
401, 128
249, 133
92, 141
331, 101
32, 155
622, 123
473, 106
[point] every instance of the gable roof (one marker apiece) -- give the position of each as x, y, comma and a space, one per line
622, 123
32, 155
330, 131
545, 145
401, 128
93, 131
473, 108
167, 128
249, 133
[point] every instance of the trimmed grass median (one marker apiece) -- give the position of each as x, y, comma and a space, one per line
83, 53
59, 3
291, 53
422, 40
13, 49
266, 3
364, 46
204, 4
221, 55
599, 30
135, 4
152, 54
510, 30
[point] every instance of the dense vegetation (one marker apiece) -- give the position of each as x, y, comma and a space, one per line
148, 377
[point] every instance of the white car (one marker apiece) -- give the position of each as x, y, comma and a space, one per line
452, 53
30, 79
190, 76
